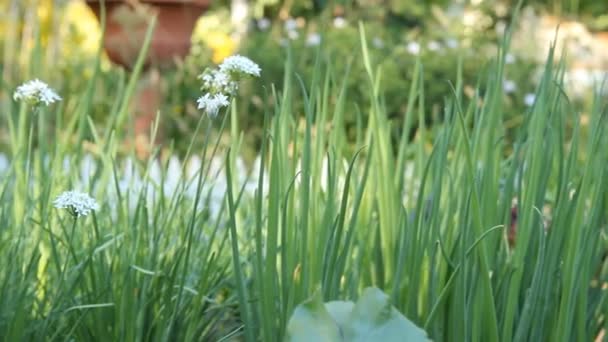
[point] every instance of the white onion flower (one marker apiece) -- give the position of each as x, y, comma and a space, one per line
509, 58
78, 203
293, 34
413, 48
313, 39
263, 24
529, 99
240, 65
340, 22
378, 43
36, 92
451, 43
4, 163
509, 86
211, 103
291, 24
216, 81
219, 85
434, 45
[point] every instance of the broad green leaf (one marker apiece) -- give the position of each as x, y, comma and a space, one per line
372, 318
340, 311
311, 322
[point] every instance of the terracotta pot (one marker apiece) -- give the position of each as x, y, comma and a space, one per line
127, 21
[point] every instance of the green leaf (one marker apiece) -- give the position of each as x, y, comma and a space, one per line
312, 322
372, 318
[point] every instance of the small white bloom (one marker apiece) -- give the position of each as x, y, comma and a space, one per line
413, 48
240, 65
500, 27
313, 39
78, 203
4, 163
217, 81
291, 24
433, 45
36, 92
263, 24
451, 43
509, 58
340, 22
293, 34
211, 104
509, 86
378, 43
529, 99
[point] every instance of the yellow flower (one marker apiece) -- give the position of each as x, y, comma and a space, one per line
221, 44
81, 28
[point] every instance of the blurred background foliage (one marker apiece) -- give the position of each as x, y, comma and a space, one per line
441, 34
